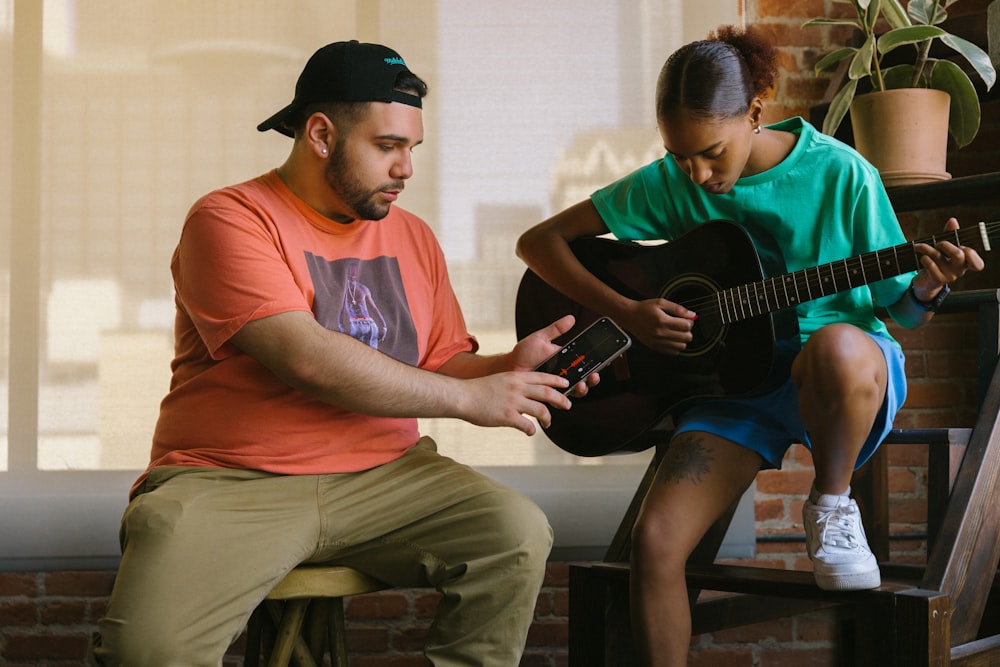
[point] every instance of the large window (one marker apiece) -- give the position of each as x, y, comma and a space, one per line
125, 111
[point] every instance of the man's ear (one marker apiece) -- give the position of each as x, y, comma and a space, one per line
320, 134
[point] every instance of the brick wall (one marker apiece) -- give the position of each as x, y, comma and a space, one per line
45, 618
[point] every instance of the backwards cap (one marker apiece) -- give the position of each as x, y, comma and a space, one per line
345, 72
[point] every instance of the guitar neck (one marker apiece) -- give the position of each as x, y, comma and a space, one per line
789, 290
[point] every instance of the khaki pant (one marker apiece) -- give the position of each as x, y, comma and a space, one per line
202, 547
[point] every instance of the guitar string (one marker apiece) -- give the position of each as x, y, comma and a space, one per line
736, 306
813, 278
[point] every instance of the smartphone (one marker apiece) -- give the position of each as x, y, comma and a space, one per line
596, 347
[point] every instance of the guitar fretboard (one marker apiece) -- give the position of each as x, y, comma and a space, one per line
789, 290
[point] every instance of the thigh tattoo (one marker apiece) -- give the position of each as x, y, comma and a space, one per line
687, 458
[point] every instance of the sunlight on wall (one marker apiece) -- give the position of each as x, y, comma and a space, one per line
532, 106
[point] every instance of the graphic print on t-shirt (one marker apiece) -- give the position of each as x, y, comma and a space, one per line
365, 299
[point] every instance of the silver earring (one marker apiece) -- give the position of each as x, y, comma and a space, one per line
324, 150
756, 129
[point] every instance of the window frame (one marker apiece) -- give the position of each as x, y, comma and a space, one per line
70, 519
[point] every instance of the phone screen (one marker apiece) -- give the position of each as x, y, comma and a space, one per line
592, 350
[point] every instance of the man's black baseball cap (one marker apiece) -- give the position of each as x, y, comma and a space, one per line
345, 72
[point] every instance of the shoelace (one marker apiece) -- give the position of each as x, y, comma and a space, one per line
839, 527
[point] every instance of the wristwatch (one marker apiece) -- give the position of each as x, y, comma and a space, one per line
935, 303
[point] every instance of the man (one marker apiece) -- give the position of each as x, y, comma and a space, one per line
283, 440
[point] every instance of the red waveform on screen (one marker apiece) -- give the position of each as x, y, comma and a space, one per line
573, 364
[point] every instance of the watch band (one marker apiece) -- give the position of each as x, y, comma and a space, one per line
935, 303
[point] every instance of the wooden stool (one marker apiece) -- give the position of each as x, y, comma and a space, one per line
303, 615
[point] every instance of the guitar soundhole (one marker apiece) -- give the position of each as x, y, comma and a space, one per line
698, 293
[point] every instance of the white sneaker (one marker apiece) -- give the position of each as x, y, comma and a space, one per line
837, 546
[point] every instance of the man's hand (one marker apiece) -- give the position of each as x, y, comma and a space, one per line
536, 347
508, 399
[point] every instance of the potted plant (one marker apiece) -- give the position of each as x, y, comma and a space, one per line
917, 26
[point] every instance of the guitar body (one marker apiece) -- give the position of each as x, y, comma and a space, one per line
630, 409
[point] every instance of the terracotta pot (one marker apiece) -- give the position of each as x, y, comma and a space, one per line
904, 133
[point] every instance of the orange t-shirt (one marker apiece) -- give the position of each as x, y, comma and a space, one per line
254, 250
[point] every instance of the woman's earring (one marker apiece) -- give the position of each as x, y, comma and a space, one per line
756, 129
324, 150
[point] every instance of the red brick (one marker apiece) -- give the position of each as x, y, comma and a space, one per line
806, 88
410, 639
935, 336
801, 657
367, 639
18, 583
70, 612
425, 605
713, 657
905, 454
911, 511
804, 9
932, 394
769, 510
23, 614
389, 604
98, 608
543, 605
44, 647
800, 455
916, 364
556, 574
960, 368
779, 630
85, 584
902, 480
561, 603
785, 482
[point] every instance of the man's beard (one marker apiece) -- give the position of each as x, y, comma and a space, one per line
361, 201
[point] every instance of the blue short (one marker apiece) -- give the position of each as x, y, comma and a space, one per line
770, 423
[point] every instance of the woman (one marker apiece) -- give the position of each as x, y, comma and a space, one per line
844, 377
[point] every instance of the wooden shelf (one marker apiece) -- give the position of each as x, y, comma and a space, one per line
953, 192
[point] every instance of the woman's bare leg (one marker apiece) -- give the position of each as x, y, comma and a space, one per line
700, 477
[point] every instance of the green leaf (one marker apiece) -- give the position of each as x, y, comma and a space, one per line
861, 64
899, 76
894, 13
839, 106
964, 113
871, 16
913, 34
979, 59
920, 12
830, 59
825, 21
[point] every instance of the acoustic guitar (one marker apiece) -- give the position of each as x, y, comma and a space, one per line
745, 303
